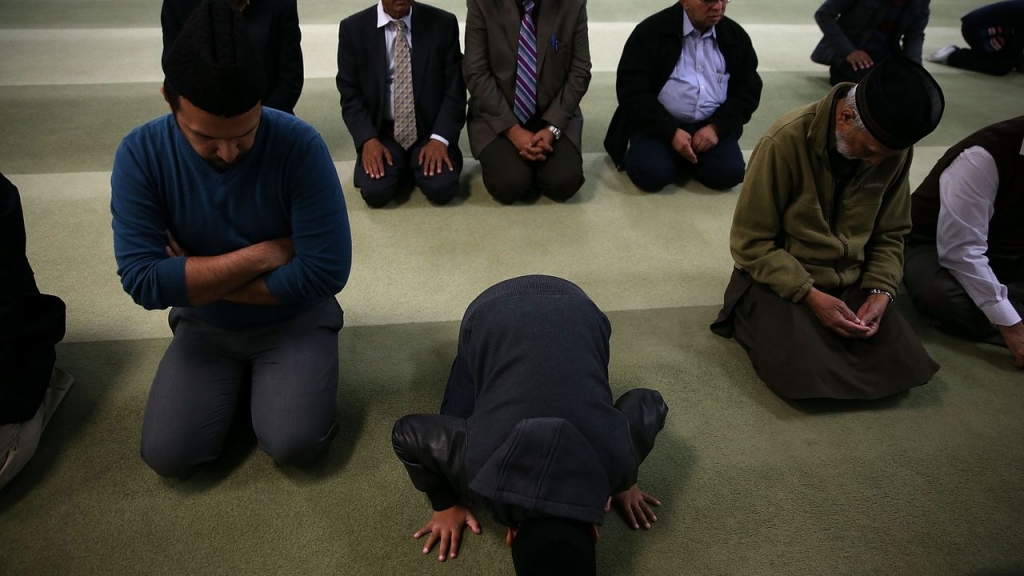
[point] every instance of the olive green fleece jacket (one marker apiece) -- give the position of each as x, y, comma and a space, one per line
785, 232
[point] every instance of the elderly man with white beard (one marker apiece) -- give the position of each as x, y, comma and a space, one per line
818, 239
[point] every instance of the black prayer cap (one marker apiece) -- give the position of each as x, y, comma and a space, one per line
554, 547
899, 102
212, 62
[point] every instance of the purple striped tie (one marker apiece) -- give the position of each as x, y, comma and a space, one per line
526, 77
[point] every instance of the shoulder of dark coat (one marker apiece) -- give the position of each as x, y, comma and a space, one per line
361, 18
433, 13
667, 21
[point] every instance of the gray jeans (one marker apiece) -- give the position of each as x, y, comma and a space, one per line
294, 376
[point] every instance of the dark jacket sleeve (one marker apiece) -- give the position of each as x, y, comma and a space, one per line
452, 115
645, 410
432, 448
635, 89
835, 43
577, 78
913, 36
744, 93
16, 280
284, 90
478, 72
31, 324
354, 109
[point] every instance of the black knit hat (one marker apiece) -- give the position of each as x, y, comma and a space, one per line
212, 63
554, 547
899, 102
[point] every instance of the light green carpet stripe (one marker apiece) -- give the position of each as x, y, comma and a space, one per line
78, 128
931, 483
420, 263
123, 55
144, 13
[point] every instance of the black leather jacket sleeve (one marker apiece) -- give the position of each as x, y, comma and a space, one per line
433, 448
645, 411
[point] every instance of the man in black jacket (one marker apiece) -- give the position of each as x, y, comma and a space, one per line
859, 33
31, 324
687, 82
273, 28
528, 426
403, 99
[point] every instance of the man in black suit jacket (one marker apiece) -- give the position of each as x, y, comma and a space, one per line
273, 27
368, 77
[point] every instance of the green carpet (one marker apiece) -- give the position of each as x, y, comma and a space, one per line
927, 483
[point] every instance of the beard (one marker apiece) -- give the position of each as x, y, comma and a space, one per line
843, 146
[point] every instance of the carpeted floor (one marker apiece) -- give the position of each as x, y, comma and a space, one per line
930, 483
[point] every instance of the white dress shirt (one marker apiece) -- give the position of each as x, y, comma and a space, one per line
699, 82
390, 31
967, 193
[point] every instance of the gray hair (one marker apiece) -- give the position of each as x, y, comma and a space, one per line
851, 102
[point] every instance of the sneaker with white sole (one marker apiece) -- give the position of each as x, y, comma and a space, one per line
942, 55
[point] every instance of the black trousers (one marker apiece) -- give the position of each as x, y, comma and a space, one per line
938, 295
406, 172
979, 56
509, 177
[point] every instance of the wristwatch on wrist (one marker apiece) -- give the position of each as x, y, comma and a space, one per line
880, 291
556, 132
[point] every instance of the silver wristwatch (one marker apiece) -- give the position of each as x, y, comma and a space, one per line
880, 291
556, 132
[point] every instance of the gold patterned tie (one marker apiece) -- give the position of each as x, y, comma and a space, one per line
405, 111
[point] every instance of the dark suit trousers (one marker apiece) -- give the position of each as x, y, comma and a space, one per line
975, 31
652, 164
938, 295
509, 177
994, 63
406, 171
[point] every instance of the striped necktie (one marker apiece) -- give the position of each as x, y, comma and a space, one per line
526, 76
405, 111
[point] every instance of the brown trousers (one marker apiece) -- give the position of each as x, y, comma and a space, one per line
799, 358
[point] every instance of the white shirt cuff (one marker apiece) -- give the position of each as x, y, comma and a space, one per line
1002, 313
439, 139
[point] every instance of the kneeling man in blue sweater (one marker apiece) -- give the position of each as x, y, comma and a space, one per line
232, 215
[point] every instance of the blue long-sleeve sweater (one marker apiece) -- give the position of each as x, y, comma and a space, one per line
285, 186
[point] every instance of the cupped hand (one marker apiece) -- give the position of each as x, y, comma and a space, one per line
835, 315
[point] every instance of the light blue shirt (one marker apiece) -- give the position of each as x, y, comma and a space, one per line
699, 82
